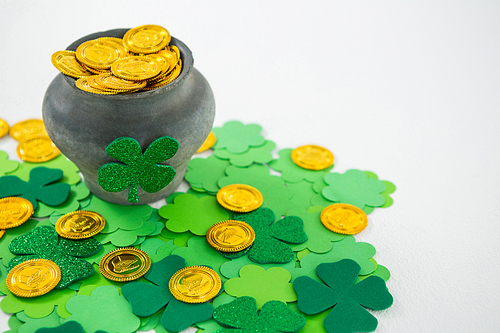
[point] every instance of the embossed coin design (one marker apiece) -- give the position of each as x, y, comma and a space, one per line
37, 149
230, 236
66, 63
27, 128
124, 264
146, 39
209, 142
239, 198
99, 53
344, 219
312, 157
136, 68
14, 211
80, 224
195, 284
33, 278
4, 127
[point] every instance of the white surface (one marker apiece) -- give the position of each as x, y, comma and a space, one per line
409, 91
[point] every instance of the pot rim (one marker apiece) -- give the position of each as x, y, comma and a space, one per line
186, 57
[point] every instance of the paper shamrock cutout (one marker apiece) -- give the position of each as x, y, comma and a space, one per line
232, 268
40, 187
314, 323
204, 173
77, 193
67, 327
346, 298
263, 285
259, 155
147, 298
238, 138
69, 169
241, 316
105, 309
270, 237
43, 242
189, 212
291, 172
34, 324
139, 169
6, 165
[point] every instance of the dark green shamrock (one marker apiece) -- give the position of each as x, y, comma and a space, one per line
270, 237
241, 315
138, 169
347, 299
43, 242
39, 187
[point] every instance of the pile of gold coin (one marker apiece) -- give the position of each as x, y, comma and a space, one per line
34, 143
142, 60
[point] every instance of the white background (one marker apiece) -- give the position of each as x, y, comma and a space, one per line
408, 90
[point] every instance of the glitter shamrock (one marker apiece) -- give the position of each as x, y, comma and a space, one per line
139, 169
241, 315
43, 242
270, 237
148, 298
346, 298
40, 187
238, 138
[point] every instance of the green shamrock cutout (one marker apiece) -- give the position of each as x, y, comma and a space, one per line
259, 155
263, 285
139, 169
232, 268
77, 193
204, 173
291, 172
190, 213
347, 299
148, 298
271, 237
6, 165
43, 242
69, 169
34, 324
237, 138
40, 187
67, 326
241, 315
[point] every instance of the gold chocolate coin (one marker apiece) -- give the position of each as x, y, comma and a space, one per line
80, 224
136, 68
230, 236
195, 284
99, 53
33, 278
312, 157
83, 84
14, 211
124, 264
112, 82
66, 63
239, 198
26, 128
209, 142
344, 219
37, 149
146, 39
4, 127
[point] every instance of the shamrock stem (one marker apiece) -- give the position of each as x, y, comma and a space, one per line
133, 193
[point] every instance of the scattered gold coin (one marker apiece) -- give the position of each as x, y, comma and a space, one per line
312, 157
209, 142
80, 224
239, 198
27, 128
33, 278
136, 68
146, 39
36, 149
14, 211
344, 219
124, 264
195, 284
4, 127
99, 53
66, 63
230, 236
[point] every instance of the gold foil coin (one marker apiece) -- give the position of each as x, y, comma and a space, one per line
112, 82
99, 53
146, 39
4, 127
209, 142
344, 219
195, 284
136, 68
37, 149
312, 157
33, 278
84, 85
230, 236
239, 198
14, 211
27, 128
124, 264
66, 63
80, 224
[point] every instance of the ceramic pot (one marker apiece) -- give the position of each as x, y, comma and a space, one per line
83, 124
